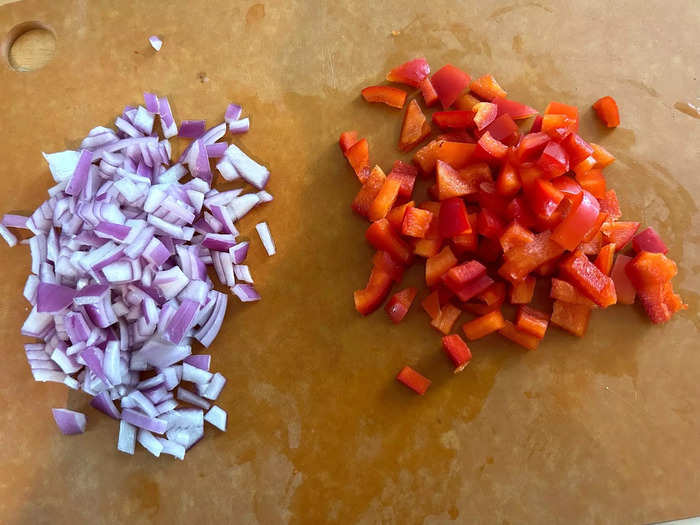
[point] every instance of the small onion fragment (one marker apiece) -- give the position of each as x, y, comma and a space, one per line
156, 43
69, 422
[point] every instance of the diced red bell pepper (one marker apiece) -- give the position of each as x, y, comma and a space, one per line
610, 205
623, 286
385, 199
523, 291
558, 108
484, 325
494, 294
531, 146
584, 166
649, 269
457, 136
492, 148
465, 243
452, 183
505, 130
455, 119
527, 341
484, 114
553, 161
391, 96
602, 156
416, 222
649, 241
515, 109
413, 380
479, 308
406, 173
593, 246
368, 192
398, 305
396, 215
430, 96
577, 148
474, 288
619, 232
508, 183
431, 304
532, 321
489, 224
449, 82
514, 236
438, 265
457, 350
358, 157
604, 261
385, 262
593, 181
660, 302
606, 109
558, 127
466, 102
372, 296
382, 237
548, 269
571, 317
415, 127
427, 247
458, 276
456, 154
446, 318
595, 229
347, 140
487, 88
489, 198
453, 219
543, 198
581, 217
410, 73
564, 291
522, 260
567, 185
434, 228
537, 124
583, 274
518, 210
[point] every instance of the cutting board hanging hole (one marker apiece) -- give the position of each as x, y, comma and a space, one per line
29, 46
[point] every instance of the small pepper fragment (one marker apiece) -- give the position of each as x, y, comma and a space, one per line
593, 181
487, 88
564, 291
416, 222
454, 119
484, 325
452, 183
583, 274
410, 73
554, 161
604, 260
649, 241
382, 237
492, 148
406, 174
623, 286
532, 321
581, 218
391, 96
413, 380
430, 96
372, 296
515, 109
523, 291
397, 213
453, 219
358, 157
431, 304
437, 265
571, 317
607, 111
619, 232
458, 276
384, 200
347, 140
508, 183
602, 156
415, 127
446, 318
474, 288
368, 192
510, 331
457, 350
456, 154
484, 114
386, 263
449, 82
398, 305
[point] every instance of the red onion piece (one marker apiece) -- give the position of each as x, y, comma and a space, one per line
216, 417
156, 43
192, 128
233, 112
69, 422
266, 237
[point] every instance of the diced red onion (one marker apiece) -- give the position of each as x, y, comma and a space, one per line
245, 292
149, 442
195, 375
239, 126
156, 43
69, 422
216, 150
233, 112
266, 237
9, 237
242, 273
127, 437
190, 397
104, 403
201, 361
239, 252
172, 448
215, 386
248, 169
216, 417
192, 128
140, 420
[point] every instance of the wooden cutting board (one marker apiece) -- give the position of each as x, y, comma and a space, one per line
598, 430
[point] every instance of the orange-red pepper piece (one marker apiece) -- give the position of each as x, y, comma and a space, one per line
494, 294
391, 96
484, 325
439, 264
457, 350
487, 88
446, 318
491, 147
415, 127
413, 380
532, 321
510, 331
385, 262
523, 291
416, 222
406, 173
583, 274
456, 154
571, 317
458, 119
449, 82
347, 140
473, 288
581, 218
566, 292
504, 129
604, 261
558, 127
430, 96
358, 157
602, 156
607, 111
431, 304
584, 166
457, 276
593, 181
385, 199
368, 192
558, 108
410, 73
531, 146
508, 183
466, 102
372, 296
522, 260
484, 114
398, 305
610, 205
619, 232
515, 109
623, 286
396, 215
515, 235
453, 183
427, 247
382, 237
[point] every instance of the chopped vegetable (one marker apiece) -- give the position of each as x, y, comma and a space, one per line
398, 305
388, 95
413, 380
69, 422
457, 350
606, 109
156, 43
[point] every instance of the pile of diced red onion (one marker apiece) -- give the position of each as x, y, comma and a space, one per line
119, 287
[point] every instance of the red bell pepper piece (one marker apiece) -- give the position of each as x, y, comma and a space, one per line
484, 114
543, 198
558, 127
454, 119
522, 260
457, 136
584, 166
416, 222
382, 237
593, 246
537, 124
566, 292
397, 213
515, 109
453, 219
510, 331
437, 265
406, 174
391, 96
650, 269
529, 173
602, 156
504, 129
385, 262
458, 276
593, 181
492, 148
411, 73
606, 109
508, 183
449, 82
610, 205
577, 148
457, 350
398, 305
583, 274
446, 318
518, 210
553, 161
649, 241
623, 286
413, 380
474, 288
532, 321
347, 140
487, 88
583, 214
489, 224
571, 317
484, 325
557, 108
431, 304
567, 185
494, 294
415, 127
385, 199
456, 154
619, 232
523, 291
372, 296
430, 96
466, 102
452, 183
369, 190
358, 157
531, 146
604, 261
514, 236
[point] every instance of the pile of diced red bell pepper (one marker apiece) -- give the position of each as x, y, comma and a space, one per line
506, 208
